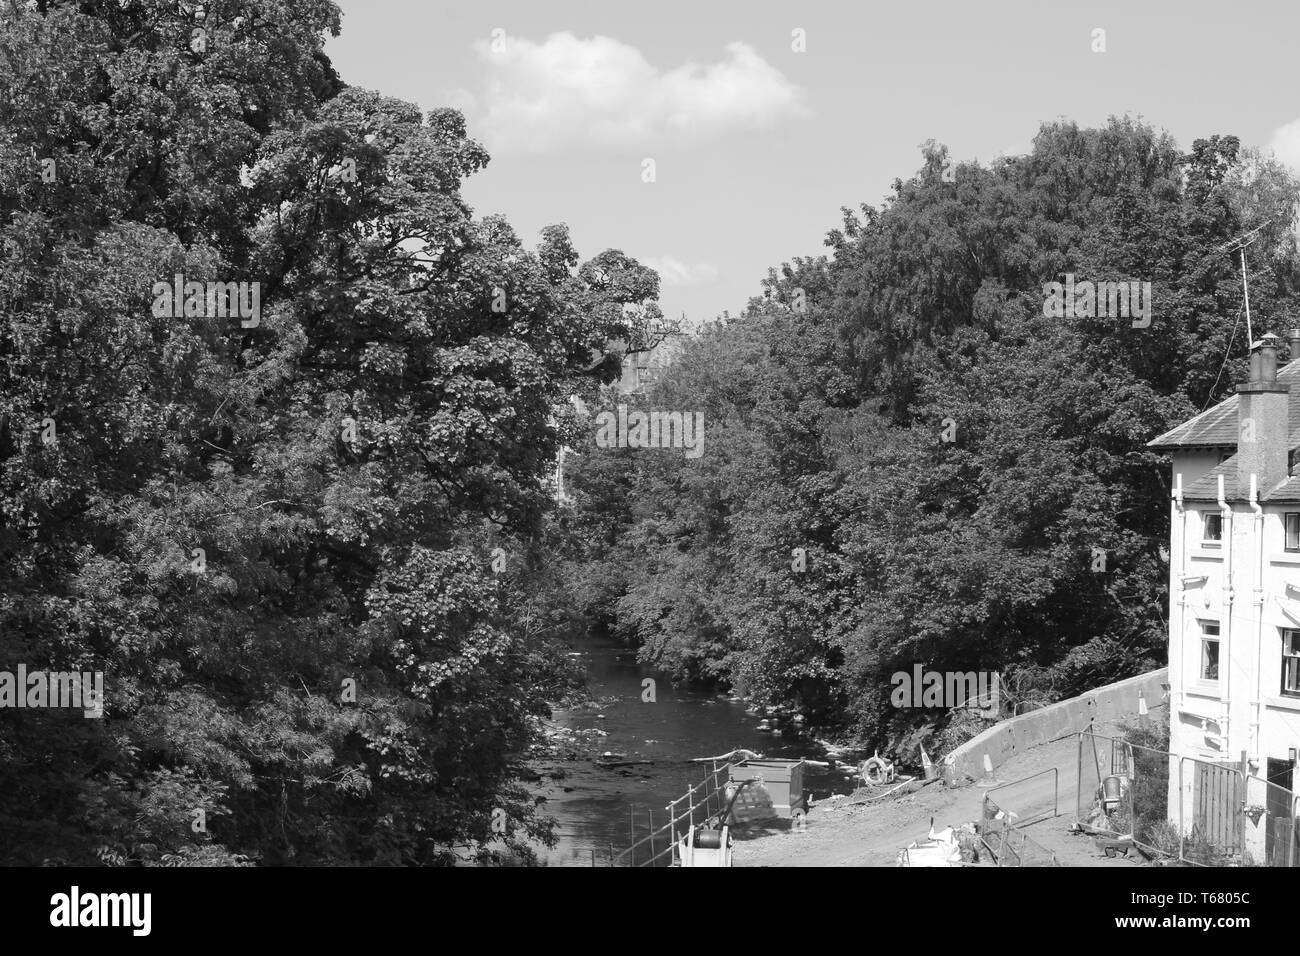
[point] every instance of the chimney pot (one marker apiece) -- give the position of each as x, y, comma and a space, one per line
1293, 343
1263, 360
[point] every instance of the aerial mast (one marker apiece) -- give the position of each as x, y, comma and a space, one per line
1239, 244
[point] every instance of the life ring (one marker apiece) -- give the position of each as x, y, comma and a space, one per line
876, 770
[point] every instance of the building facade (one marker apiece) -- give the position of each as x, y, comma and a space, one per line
1234, 585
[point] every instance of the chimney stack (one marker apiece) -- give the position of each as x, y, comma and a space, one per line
1263, 429
1293, 342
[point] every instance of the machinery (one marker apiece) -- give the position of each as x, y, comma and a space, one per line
706, 845
703, 846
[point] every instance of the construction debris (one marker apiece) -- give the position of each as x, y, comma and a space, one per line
937, 849
737, 754
868, 794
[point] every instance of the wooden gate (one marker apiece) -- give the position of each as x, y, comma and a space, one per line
1217, 799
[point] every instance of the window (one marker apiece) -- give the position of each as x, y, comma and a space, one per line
1210, 650
1212, 531
1290, 662
1292, 520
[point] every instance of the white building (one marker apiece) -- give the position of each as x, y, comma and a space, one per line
1234, 586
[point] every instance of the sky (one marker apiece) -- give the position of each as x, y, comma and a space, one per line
763, 119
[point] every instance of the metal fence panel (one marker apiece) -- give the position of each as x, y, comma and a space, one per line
1010, 845
1147, 800
1124, 793
1029, 799
1103, 800
1269, 825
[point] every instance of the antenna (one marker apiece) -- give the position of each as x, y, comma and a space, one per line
1239, 244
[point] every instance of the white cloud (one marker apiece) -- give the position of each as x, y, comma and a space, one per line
675, 272
1286, 144
599, 92
461, 99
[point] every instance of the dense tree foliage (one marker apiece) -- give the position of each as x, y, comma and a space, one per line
238, 520
949, 459
313, 550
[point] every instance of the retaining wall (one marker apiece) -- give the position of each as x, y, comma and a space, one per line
1008, 738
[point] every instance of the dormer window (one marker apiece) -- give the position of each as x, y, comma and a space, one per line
1212, 531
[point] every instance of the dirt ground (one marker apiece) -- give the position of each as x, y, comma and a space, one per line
872, 835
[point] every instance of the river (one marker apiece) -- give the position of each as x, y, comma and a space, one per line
595, 807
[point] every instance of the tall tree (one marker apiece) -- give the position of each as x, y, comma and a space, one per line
274, 532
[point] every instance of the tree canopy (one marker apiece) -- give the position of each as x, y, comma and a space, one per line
274, 536
949, 461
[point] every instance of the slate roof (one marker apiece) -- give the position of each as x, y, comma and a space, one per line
1206, 488
1288, 490
1217, 427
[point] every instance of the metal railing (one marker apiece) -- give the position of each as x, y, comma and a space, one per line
708, 799
1006, 842
1006, 802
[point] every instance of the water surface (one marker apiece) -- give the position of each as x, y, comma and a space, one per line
603, 806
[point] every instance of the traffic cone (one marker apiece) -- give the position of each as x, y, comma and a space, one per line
988, 780
927, 764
